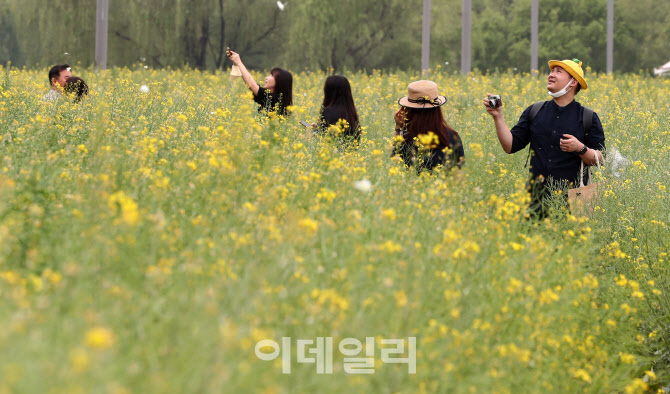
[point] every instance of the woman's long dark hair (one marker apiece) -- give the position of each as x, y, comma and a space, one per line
77, 86
421, 121
283, 87
337, 95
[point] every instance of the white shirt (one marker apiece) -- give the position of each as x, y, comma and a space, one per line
53, 95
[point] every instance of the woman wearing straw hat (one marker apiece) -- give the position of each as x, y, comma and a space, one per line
423, 138
276, 95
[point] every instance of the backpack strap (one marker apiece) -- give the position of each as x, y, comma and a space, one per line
587, 119
533, 112
535, 109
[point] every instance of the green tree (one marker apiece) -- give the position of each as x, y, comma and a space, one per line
46, 31
354, 34
195, 33
320, 34
641, 35
9, 51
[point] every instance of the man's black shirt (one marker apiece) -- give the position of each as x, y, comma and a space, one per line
544, 134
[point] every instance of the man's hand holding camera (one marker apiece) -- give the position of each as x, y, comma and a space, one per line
493, 104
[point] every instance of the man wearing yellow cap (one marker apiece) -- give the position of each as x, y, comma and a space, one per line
558, 136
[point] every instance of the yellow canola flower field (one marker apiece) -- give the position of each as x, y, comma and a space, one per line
171, 239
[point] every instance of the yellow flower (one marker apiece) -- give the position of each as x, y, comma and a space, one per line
390, 247
621, 281
516, 246
128, 208
548, 296
582, 374
389, 214
627, 358
309, 224
400, 298
638, 294
10, 277
429, 141
514, 286
637, 386
342, 124
79, 359
471, 246
99, 338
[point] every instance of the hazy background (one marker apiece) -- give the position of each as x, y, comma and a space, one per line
343, 34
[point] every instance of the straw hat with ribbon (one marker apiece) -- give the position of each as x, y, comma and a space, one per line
573, 67
422, 94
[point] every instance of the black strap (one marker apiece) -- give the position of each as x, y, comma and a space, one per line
535, 109
533, 112
425, 100
587, 120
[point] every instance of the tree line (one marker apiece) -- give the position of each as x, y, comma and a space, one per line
341, 35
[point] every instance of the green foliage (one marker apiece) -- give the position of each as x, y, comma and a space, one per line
642, 28
149, 240
351, 34
343, 35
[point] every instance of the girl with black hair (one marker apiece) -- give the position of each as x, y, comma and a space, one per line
275, 95
338, 108
77, 87
423, 138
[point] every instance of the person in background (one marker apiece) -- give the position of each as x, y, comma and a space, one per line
559, 140
338, 110
77, 87
423, 138
277, 93
58, 75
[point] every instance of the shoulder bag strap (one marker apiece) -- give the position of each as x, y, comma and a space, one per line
587, 122
588, 169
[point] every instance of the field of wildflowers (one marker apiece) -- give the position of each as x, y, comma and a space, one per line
149, 240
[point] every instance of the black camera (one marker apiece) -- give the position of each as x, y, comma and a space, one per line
495, 101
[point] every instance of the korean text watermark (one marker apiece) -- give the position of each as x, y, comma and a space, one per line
320, 352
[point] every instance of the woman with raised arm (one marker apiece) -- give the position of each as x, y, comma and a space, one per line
277, 93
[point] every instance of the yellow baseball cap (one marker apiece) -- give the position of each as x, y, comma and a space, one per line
573, 67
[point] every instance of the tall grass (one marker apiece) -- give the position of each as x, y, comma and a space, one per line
149, 241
